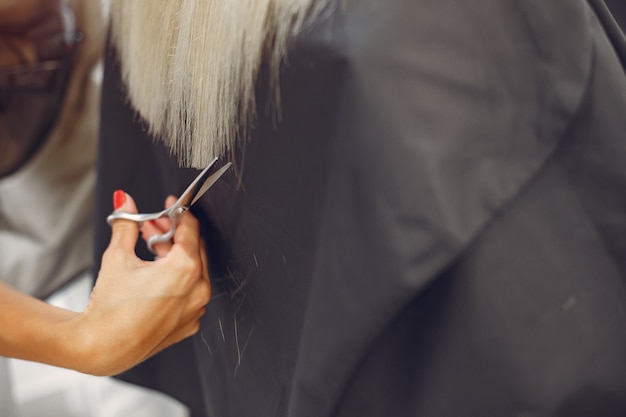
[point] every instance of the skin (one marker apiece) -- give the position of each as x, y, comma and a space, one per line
137, 308
24, 24
19, 14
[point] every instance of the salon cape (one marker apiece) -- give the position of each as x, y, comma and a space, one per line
434, 226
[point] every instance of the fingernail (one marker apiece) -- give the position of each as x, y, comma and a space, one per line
119, 198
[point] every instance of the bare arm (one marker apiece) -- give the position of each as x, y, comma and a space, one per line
34, 330
137, 308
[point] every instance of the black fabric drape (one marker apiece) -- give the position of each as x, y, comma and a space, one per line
618, 10
434, 227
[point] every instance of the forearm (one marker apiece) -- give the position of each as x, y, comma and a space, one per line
33, 330
136, 309
100, 341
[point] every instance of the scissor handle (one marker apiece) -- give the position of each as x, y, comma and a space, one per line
203, 181
164, 237
173, 212
135, 217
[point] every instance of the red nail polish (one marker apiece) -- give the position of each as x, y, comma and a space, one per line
119, 198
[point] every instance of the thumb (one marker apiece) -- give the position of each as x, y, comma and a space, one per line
124, 233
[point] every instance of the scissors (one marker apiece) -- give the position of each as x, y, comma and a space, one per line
194, 191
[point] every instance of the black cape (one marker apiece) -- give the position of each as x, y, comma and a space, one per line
436, 226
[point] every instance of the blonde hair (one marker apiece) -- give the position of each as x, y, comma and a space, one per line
190, 66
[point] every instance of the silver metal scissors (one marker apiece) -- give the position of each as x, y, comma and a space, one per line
194, 191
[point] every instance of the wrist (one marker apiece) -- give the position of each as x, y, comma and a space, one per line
33, 330
49, 336
97, 346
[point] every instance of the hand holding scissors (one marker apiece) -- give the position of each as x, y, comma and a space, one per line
194, 191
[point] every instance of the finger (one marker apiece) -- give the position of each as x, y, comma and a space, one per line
152, 228
182, 332
124, 232
188, 234
159, 227
205, 266
201, 295
189, 323
163, 224
170, 200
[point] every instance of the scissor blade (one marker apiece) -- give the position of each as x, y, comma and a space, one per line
184, 200
210, 181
